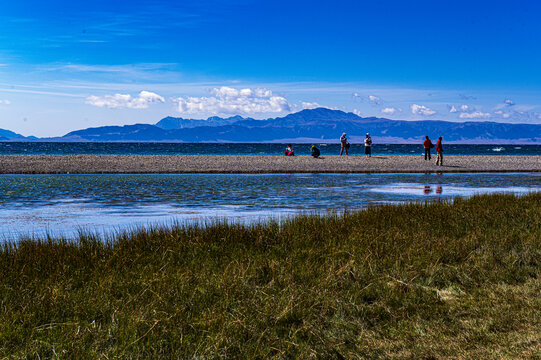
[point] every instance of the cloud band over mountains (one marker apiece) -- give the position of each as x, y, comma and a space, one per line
227, 100
120, 101
222, 100
254, 101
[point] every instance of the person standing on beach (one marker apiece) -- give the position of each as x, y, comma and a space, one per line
368, 145
439, 151
427, 145
315, 151
344, 144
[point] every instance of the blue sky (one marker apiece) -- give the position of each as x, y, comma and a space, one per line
70, 65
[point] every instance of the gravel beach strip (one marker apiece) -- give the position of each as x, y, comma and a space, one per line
252, 164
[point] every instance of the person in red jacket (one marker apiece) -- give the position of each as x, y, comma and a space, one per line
427, 145
439, 151
289, 151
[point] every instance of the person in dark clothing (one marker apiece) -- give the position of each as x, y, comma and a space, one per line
368, 145
344, 144
439, 151
315, 151
427, 145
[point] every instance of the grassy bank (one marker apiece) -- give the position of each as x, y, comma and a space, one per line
443, 280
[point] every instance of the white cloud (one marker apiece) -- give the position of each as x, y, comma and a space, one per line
474, 115
357, 112
421, 110
466, 111
503, 114
389, 111
519, 116
228, 100
374, 99
4, 102
509, 102
120, 101
310, 105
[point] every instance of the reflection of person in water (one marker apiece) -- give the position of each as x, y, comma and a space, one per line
439, 189
427, 190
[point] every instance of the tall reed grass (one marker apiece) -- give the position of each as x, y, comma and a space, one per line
438, 280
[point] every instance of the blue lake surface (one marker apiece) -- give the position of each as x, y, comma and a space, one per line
34, 205
16, 148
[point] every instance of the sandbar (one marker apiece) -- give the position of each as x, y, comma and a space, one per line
253, 164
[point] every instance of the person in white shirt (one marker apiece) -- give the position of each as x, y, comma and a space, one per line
368, 145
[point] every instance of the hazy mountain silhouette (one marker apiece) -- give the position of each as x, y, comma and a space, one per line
7, 135
170, 123
314, 125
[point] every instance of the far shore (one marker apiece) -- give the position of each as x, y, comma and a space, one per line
254, 164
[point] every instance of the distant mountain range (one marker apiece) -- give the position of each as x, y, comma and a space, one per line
315, 125
173, 123
6, 135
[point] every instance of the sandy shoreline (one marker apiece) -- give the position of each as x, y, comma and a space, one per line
251, 164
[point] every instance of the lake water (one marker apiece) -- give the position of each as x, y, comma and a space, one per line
13, 148
34, 205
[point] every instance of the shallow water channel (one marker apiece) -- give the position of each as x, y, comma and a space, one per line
62, 205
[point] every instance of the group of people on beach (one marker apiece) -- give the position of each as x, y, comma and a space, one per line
291, 152
345, 145
427, 144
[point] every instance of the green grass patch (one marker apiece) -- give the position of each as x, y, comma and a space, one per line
442, 280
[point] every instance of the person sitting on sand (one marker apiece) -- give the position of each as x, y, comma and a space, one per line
315, 151
344, 144
427, 144
289, 151
439, 151
368, 145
